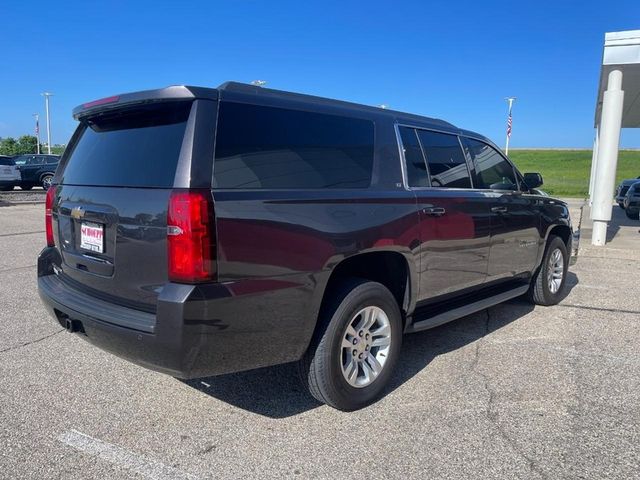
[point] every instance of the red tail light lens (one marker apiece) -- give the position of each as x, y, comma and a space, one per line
48, 215
191, 237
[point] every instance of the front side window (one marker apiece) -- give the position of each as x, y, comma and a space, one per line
492, 170
445, 160
414, 161
275, 148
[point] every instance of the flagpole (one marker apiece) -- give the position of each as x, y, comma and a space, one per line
510, 100
37, 132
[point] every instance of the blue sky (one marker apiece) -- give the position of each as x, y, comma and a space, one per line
453, 60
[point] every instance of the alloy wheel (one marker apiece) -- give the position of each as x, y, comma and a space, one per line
555, 271
365, 346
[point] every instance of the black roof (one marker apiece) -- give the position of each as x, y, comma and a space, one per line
244, 91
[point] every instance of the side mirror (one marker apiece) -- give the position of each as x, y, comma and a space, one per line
533, 180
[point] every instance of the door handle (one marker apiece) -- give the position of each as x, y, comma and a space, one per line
499, 209
434, 211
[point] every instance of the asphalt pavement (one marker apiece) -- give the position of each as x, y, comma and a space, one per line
511, 392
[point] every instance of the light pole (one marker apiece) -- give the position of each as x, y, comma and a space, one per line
509, 123
37, 117
46, 105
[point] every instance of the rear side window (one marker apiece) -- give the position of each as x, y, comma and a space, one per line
492, 170
445, 159
130, 148
416, 168
52, 160
265, 147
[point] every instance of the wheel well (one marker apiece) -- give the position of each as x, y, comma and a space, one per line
388, 268
562, 231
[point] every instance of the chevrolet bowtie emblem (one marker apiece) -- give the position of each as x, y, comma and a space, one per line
77, 212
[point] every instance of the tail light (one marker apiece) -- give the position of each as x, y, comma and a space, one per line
48, 215
191, 236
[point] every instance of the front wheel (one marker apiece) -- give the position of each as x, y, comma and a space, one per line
549, 281
352, 356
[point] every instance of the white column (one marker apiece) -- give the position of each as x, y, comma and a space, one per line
607, 160
594, 163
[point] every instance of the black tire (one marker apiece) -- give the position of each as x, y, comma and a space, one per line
632, 214
539, 291
26, 187
321, 369
621, 205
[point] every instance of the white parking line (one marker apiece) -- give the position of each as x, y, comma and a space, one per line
122, 457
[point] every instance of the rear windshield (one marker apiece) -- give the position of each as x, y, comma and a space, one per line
6, 161
131, 148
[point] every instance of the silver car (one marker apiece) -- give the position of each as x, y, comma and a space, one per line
9, 173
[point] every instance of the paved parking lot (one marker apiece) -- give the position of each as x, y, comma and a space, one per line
512, 392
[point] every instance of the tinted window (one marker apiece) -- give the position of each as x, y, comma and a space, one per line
264, 147
416, 168
492, 170
132, 148
445, 159
51, 160
21, 160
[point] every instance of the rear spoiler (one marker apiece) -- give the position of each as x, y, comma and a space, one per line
173, 93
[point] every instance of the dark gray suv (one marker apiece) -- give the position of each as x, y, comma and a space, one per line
200, 231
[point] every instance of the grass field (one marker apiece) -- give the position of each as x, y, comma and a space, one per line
566, 172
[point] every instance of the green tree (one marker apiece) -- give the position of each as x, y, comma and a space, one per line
27, 144
8, 146
24, 144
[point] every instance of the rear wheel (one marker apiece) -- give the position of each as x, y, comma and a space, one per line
351, 359
548, 283
46, 181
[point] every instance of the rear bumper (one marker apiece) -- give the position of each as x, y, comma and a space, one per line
197, 331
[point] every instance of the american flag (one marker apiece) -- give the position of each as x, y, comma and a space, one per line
509, 125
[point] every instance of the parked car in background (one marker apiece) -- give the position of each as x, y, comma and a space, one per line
631, 202
278, 227
621, 191
36, 170
9, 173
